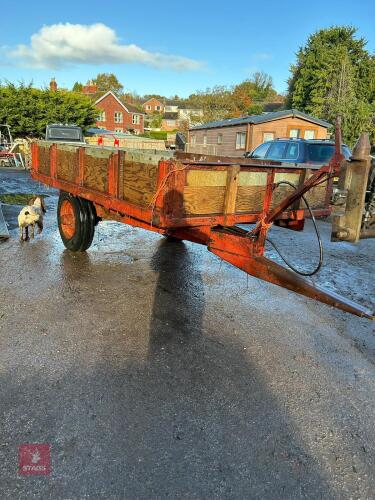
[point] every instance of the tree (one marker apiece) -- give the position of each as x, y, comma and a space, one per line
251, 95
77, 87
217, 103
335, 74
28, 110
156, 120
108, 81
248, 97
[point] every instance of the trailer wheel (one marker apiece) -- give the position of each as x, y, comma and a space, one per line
90, 220
76, 218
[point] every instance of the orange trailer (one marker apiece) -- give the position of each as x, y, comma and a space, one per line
197, 199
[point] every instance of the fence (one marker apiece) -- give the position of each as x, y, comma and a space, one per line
209, 149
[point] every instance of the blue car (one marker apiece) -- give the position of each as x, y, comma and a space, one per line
315, 151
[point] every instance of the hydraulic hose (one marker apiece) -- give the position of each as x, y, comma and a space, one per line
318, 267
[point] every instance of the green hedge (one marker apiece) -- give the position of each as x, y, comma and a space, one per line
157, 134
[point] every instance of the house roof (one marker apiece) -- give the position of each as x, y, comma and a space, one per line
265, 117
128, 107
133, 109
152, 99
170, 116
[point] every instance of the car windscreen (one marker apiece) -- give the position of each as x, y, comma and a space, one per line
322, 153
67, 134
260, 151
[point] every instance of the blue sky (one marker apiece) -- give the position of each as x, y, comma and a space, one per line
176, 47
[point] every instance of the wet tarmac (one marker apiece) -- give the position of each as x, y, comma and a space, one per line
155, 370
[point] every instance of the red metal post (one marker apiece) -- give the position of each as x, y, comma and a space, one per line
34, 156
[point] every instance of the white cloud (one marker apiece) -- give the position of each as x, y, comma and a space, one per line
261, 56
61, 45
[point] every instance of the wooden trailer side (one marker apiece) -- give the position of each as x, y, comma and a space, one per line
170, 193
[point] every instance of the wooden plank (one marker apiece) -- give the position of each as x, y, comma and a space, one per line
282, 191
252, 178
139, 185
316, 196
174, 200
251, 191
67, 163
206, 178
95, 172
204, 200
231, 189
250, 198
287, 176
44, 159
148, 157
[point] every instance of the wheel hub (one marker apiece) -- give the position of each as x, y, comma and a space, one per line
68, 219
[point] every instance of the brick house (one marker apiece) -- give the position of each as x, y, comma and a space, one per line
153, 105
117, 116
170, 122
90, 89
172, 106
235, 136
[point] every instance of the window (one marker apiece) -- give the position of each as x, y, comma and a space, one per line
260, 151
136, 120
276, 151
101, 117
148, 107
158, 108
69, 134
295, 133
220, 138
309, 134
119, 130
268, 136
292, 151
204, 140
118, 117
320, 153
240, 140
193, 139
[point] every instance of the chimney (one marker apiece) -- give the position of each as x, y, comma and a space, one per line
53, 85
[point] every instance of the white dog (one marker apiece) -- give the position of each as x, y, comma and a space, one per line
30, 216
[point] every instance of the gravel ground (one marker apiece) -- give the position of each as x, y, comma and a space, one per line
154, 370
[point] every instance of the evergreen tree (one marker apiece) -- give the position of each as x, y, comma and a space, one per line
28, 110
334, 74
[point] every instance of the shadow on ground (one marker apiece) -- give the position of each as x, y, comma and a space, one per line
164, 412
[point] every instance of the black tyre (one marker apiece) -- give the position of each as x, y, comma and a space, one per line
90, 221
76, 219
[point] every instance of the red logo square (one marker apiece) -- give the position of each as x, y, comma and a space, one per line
34, 459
